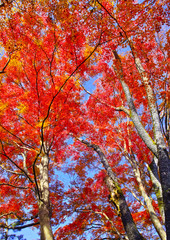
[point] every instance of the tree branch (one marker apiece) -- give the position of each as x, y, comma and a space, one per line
20, 227
10, 185
3, 70
22, 170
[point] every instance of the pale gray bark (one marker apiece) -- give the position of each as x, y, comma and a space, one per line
133, 113
44, 202
152, 105
152, 213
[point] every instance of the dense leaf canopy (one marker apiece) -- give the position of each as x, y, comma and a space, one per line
84, 119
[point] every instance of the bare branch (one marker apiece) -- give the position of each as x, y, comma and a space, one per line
10, 185
16, 137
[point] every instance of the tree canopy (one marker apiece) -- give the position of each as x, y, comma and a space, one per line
84, 93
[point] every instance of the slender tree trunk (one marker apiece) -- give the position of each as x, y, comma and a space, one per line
133, 113
152, 213
6, 234
44, 203
153, 171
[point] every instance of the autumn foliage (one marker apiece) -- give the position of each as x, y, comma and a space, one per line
84, 119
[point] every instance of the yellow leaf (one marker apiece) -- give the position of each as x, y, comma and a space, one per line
3, 106
46, 124
22, 108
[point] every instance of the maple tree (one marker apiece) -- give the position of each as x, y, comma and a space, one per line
50, 50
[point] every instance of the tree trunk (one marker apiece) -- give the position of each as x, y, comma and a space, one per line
44, 203
153, 171
164, 168
44, 216
152, 213
117, 197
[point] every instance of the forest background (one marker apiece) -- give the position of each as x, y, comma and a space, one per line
84, 119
